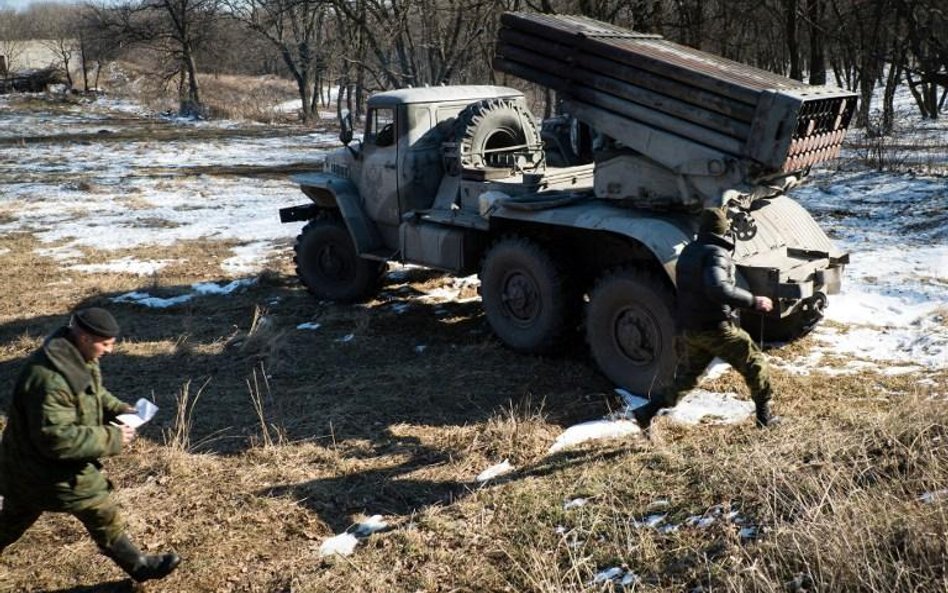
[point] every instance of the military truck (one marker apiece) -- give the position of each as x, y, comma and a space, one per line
574, 225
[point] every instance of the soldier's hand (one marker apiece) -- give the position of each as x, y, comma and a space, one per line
762, 303
128, 433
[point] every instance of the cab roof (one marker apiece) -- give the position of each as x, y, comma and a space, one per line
438, 94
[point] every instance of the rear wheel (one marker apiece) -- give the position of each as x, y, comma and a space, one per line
523, 296
329, 267
630, 329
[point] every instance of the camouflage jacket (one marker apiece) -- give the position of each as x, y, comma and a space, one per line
57, 429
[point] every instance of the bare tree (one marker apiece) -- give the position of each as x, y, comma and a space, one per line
926, 23
57, 25
174, 29
416, 42
12, 45
816, 24
298, 30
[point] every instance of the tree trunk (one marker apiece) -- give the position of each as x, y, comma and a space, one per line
888, 97
194, 94
793, 40
815, 12
919, 97
66, 70
85, 64
98, 71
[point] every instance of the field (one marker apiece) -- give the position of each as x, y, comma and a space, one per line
286, 422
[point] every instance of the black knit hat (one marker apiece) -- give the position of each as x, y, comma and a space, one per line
96, 321
714, 220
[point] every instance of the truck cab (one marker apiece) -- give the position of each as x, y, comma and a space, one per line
397, 168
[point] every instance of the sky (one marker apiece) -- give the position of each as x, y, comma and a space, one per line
21, 4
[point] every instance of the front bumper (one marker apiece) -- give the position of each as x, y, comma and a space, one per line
297, 213
794, 277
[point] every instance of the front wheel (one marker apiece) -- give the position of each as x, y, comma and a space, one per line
630, 329
329, 267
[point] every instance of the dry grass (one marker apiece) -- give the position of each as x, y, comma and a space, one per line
271, 439
251, 98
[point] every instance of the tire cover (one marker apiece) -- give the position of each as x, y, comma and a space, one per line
493, 124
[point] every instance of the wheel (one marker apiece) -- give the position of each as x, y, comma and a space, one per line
523, 295
790, 328
495, 132
329, 267
630, 329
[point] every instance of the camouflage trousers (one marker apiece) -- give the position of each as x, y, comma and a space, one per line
733, 345
100, 515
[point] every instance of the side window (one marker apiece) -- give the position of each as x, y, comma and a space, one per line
381, 130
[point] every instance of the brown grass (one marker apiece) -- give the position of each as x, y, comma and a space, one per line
295, 436
271, 439
251, 98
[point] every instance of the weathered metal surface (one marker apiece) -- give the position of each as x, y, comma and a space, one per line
778, 123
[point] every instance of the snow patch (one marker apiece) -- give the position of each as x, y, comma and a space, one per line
341, 545
345, 543
930, 497
720, 408
594, 430
145, 299
125, 265
494, 471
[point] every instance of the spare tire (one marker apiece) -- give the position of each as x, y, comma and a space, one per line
498, 133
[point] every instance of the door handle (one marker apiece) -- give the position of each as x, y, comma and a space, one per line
390, 166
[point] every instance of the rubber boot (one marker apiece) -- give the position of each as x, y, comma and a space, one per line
764, 414
141, 567
644, 414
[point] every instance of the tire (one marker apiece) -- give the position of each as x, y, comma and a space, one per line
329, 267
630, 329
485, 128
523, 295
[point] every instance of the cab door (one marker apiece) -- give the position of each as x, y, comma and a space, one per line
379, 179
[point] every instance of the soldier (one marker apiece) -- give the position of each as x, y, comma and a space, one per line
61, 420
708, 301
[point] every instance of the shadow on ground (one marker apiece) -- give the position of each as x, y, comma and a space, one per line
252, 375
365, 368
119, 586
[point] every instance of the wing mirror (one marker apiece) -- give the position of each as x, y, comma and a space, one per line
345, 132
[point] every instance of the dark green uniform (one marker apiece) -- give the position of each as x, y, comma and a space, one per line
57, 429
731, 344
708, 304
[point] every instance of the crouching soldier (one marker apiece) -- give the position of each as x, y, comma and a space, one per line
60, 423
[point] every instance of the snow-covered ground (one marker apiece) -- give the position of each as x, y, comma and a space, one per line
89, 192
144, 192
894, 304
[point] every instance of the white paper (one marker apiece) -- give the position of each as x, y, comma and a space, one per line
144, 411
133, 420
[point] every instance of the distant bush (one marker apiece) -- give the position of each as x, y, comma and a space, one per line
35, 81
